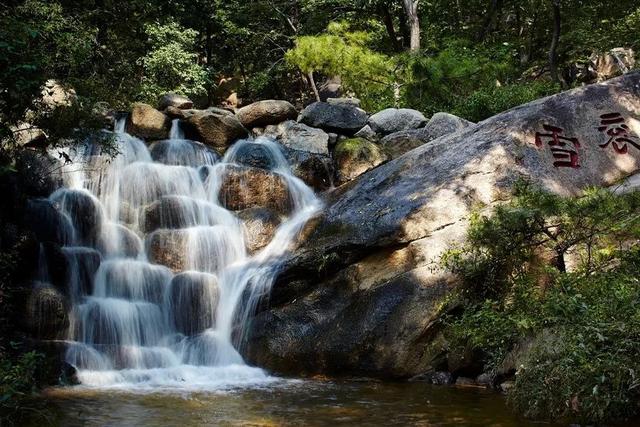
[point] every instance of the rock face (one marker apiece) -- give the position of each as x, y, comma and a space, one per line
355, 156
395, 120
259, 227
194, 297
84, 210
174, 100
263, 113
168, 248
363, 293
148, 123
47, 312
441, 124
248, 187
39, 172
340, 118
613, 63
316, 170
216, 129
299, 136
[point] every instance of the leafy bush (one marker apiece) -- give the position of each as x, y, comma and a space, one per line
18, 385
341, 51
171, 65
565, 267
491, 100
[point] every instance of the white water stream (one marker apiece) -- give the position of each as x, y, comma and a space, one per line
142, 325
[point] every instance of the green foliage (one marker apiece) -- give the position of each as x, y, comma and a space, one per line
517, 286
345, 53
491, 99
171, 65
17, 385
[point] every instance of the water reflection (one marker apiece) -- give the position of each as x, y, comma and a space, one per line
289, 403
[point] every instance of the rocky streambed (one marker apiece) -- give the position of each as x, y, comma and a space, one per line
358, 288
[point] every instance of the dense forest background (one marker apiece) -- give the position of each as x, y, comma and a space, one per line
473, 58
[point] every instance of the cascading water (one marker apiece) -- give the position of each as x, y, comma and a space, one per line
138, 323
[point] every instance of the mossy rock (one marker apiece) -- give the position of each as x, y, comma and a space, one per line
355, 156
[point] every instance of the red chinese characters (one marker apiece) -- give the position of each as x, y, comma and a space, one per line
563, 149
620, 137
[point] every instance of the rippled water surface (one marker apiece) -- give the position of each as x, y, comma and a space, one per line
286, 403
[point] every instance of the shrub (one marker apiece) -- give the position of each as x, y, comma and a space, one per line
517, 284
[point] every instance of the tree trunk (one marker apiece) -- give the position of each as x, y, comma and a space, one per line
387, 19
411, 11
553, 50
312, 83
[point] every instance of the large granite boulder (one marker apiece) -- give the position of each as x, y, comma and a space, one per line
363, 293
216, 129
355, 156
263, 113
248, 187
299, 136
393, 120
441, 124
340, 118
148, 123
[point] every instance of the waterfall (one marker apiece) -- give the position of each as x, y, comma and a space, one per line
161, 281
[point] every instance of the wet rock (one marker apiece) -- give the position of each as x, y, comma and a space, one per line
47, 222
263, 113
393, 120
247, 187
39, 173
216, 129
183, 153
118, 240
255, 155
81, 267
464, 381
148, 123
259, 227
84, 212
355, 156
484, 379
316, 170
339, 118
175, 212
298, 136
441, 124
194, 297
324, 318
47, 312
174, 100
436, 378
168, 248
